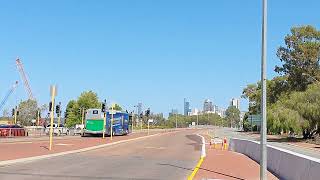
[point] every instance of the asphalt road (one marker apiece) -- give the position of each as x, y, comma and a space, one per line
168, 156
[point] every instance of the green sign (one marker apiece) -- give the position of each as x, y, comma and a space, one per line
255, 119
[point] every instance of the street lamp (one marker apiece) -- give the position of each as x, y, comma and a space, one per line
263, 140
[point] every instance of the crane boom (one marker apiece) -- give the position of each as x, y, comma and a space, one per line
11, 90
24, 78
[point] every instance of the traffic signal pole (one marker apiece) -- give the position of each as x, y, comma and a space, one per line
53, 94
82, 119
15, 115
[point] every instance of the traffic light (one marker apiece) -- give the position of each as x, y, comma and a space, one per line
141, 115
148, 112
66, 114
103, 107
17, 113
58, 109
50, 106
13, 111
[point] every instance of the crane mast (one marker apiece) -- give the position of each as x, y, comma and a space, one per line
11, 90
24, 79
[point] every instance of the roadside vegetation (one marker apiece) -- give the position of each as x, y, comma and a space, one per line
293, 97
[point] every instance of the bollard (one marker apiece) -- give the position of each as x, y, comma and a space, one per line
225, 143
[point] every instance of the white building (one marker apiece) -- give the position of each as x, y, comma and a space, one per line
235, 102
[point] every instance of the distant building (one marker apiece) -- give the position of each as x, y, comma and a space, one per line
221, 112
208, 106
139, 108
195, 112
186, 107
235, 102
173, 112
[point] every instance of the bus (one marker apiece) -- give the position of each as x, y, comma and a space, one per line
93, 124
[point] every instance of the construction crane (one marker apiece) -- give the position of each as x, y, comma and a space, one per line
11, 90
24, 79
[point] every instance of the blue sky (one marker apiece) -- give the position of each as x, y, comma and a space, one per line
154, 52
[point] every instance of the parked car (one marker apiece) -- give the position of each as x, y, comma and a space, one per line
58, 130
77, 129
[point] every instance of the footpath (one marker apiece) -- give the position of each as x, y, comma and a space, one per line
224, 164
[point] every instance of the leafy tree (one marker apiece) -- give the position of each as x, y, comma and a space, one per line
116, 107
86, 100
27, 111
300, 57
233, 116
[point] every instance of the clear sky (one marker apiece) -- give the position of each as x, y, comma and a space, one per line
154, 52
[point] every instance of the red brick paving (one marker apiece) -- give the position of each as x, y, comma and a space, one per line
223, 164
16, 150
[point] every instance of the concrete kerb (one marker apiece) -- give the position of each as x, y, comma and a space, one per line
202, 156
29, 159
281, 162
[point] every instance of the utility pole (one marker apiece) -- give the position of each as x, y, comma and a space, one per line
263, 134
82, 119
59, 114
197, 119
111, 123
53, 94
103, 109
176, 121
38, 117
15, 115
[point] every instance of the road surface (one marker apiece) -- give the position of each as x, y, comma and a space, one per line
167, 156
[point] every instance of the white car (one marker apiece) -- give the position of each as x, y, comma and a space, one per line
58, 130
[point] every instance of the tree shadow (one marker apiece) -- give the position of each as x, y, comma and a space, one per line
190, 169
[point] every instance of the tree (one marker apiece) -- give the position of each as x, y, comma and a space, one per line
300, 57
87, 100
116, 107
27, 111
233, 116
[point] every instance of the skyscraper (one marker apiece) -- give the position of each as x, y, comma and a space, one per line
139, 108
208, 106
186, 108
235, 102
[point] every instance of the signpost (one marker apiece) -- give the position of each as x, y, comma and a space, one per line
149, 121
112, 112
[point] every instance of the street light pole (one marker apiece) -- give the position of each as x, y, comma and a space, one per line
263, 136
176, 121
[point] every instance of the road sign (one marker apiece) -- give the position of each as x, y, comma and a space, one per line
150, 120
255, 119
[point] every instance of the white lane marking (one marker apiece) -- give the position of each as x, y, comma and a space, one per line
159, 148
61, 144
28, 142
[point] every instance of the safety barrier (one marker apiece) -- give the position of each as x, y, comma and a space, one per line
11, 132
283, 163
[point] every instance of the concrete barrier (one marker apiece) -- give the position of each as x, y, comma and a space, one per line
283, 163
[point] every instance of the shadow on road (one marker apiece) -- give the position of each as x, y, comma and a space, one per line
197, 141
189, 169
